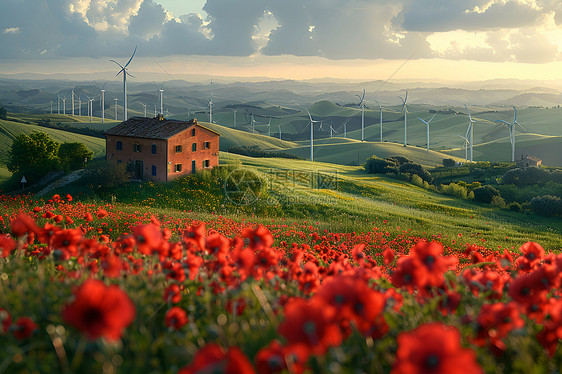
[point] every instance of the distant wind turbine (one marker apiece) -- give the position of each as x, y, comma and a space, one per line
234, 117
79, 106
125, 73
144, 106
63, 105
332, 130
405, 111
72, 101
269, 127
279, 131
161, 90
470, 131
427, 124
312, 122
211, 105
253, 124
362, 105
58, 104
380, 116
466, 143
51, 107
102, 89
511, 127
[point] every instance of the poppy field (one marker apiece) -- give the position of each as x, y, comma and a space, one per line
96, 288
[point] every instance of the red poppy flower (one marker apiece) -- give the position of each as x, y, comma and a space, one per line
176, 318
88, 217
7, 245
433, 348
99, 311
148, 238
67, 241
101, 213
213, 359
23, 224
276, 359
531, 255
310, 323
388, 256
259, 238
194, 236
24, 328
172, 293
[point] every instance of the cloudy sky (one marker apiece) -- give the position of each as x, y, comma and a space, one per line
353, 39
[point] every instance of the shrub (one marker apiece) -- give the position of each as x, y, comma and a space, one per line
498, 202
377, 165
448, 162
526, 176
413, 168
417, 181
515, 206
106, 174
485, 194
454, 189
547, 205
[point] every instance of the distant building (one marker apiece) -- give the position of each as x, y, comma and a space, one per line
528, 161
161, 149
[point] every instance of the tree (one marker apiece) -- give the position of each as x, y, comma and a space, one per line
376, 165
74, 156
3, 113
448, 162
485, 194
413, 168
33, 154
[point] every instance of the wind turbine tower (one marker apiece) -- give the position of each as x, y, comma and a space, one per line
427, 124
63, 105
234, 117
253, 124
161, 90
405, 111
279, 131
362, 105
144, 105
211, 105
102, 89
511, 127
312, 122
470, 131
125, 73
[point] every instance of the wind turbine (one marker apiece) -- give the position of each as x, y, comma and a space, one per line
380, 116
511, 127
102, 89
125, 73
279, 131
466, 143
269, 127
79, 106
470, 130
144, 105
72, 101
234, 117
161, 90
312, 122
332, 131
362, 105
405, 111
51, 107
253, 124
211, 105
63, 105
58, 104
427, 124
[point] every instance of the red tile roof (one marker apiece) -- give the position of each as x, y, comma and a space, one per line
152, 128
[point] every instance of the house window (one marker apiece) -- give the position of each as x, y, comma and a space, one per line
194, 147
206, 163
192, 132
207, 145
119, 145
119, 161
178, 168
153, 170
153, 148
178, 148
137, 148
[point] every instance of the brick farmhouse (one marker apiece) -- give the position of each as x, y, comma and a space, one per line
162, 149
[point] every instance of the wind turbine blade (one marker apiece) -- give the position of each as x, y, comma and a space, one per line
501, 120
518, 124
129, 74
403, 101
102, 87
122, 68
468, 111
309, 116
363, 97
423, 121
468, 129
432, 118
514, 115
128, 62
406, 99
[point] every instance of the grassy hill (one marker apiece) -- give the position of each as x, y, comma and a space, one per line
10, 129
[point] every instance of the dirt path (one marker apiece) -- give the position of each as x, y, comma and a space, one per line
69, 178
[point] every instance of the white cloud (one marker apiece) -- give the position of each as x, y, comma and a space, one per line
11, 30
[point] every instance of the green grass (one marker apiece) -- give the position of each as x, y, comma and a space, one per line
358, 202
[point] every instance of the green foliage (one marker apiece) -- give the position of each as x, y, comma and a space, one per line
74, 156
104, 174
3, 113
448, 162
412, 168
255, 151
498, 201
454, 189
514, 206
377, 165
485, 194
530, 176
547, 205
35, 155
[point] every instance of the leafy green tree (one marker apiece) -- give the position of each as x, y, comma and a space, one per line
3, 113
485, 194
34, 154
448, 162
74, 156
413, 168
376, 165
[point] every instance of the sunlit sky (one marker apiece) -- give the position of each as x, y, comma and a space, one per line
450, 40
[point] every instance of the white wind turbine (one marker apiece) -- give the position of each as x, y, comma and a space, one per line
470, 131
161, 90
72, 93
362, 105
102, 89
79, 106
405, 111
312, 122
427, 124
511, 127
63, 104
269, 127
211, 105
58, 104
125, 73
144, 106
380, 116
279, 131
234, 117
466, 143
253, 124
332, 130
